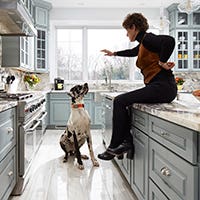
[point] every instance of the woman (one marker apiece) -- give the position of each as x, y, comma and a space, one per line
153, 52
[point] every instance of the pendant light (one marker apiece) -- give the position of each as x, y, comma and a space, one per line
189, 6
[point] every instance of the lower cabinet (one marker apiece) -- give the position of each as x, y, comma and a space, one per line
8, 174
7, 152
125, 166
139, 175
177, 178
166, 162
155, 193
60, 108
59, 112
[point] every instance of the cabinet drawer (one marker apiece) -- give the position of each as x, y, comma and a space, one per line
7, 175
155, 193
140, 120
7, 132
181, 140
176, 177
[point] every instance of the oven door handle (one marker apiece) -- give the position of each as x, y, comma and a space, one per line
44, 114
33, 128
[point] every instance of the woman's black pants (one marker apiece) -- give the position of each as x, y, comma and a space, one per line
162, 89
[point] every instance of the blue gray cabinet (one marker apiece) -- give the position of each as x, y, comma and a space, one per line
18, 52
139, 170
155, 193
176, 178
7, 152
41, 9
107, 120
185, 28
60, 108
166, 163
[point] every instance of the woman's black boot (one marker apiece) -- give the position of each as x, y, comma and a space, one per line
106, 156
122, 148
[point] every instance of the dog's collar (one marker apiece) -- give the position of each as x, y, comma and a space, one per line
80, 105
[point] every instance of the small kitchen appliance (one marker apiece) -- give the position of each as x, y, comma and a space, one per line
58, 84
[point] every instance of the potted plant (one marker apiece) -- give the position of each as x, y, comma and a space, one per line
179, 82
31, 80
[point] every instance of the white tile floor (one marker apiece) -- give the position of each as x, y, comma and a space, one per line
51, 179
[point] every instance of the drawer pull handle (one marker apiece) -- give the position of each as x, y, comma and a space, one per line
165, 171
10, 130
10, 173
164, 133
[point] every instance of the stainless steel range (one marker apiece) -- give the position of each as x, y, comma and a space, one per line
31, 113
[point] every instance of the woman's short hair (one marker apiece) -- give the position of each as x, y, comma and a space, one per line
136, 19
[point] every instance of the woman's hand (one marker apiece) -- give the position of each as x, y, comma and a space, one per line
167, 65
107, 52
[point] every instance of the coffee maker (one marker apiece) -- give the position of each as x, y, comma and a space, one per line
58, 83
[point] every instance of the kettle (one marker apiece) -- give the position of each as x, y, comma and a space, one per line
58, 83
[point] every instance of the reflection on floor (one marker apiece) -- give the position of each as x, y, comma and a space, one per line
54, 180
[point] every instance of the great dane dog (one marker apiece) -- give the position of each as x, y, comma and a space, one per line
78, 128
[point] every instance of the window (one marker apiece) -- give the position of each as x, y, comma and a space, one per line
69, 54
79, 56
100, 66
78, 50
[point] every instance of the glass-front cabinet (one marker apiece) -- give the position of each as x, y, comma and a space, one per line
41, 11
196, 49
186, 30
41, 55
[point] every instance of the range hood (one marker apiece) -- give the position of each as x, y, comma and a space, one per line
15, 20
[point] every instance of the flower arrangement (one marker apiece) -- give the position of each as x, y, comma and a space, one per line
179, 81
31, 79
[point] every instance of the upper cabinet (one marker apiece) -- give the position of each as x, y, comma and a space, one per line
41, 13
186, 30
18, 52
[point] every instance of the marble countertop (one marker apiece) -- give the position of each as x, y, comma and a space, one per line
184, 112
4, 105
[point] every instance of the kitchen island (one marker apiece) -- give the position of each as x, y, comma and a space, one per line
166, 142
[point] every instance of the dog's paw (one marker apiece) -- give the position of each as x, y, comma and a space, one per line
81, 167
95, 163
85, 157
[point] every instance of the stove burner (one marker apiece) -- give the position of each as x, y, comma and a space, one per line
16, 96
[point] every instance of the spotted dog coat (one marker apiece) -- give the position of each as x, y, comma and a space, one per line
78, 127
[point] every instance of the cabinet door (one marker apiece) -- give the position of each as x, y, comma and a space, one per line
41, 50
41, 16
176, 177
88, 107
196, 49
97, 114
7, 132
196, 19
139, 176
108, 121
8, 174
155, 193
59, 112
183, 51
182, 19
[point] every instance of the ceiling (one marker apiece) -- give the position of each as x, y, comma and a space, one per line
111, 3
